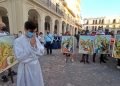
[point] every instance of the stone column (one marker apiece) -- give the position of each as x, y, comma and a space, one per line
73, 30
77, 31
65, 26
17, 15
0, 19
42, 24
52, 26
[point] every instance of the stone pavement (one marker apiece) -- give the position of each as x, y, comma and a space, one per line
58, 73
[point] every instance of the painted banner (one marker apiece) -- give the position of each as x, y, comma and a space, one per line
67, 44
116, 49
7, 59
86, 44
102, 44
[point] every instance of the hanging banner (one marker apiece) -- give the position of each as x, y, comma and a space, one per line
102, 44
67, 44
116, 49
7, 59
86, 44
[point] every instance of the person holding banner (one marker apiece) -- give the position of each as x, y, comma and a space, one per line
3, 32
27, 50
85, 57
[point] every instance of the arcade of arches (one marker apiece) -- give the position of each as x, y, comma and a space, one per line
44, 20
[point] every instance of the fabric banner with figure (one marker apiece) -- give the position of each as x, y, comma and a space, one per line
102, 44
7, 59
67, 44
116, 49
86, 44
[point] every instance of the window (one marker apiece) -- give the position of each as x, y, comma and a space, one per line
86, 22
93, 21
102, 21
96, 22
57, 7
99, 21
114, 21
87, 28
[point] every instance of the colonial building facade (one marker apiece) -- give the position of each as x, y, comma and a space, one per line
110, 23
53, 15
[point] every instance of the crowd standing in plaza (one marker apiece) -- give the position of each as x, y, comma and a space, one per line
30, 46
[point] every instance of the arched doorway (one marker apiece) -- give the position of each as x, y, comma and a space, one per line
4, 18
63, 27
75, 30
67, 27
33, 15
48, 23
56, 27
70, 29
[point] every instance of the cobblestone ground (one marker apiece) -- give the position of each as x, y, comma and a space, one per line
58, 73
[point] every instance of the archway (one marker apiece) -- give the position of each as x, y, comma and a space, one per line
56, 27
75, 30
70, 29
63, 27
67, 27
33, 15
4, 18
48, 23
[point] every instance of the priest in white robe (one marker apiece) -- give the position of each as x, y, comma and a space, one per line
27, 50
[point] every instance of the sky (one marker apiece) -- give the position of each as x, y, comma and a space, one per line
100, 8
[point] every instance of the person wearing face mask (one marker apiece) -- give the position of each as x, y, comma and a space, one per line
48, 42
27, 50
41, 38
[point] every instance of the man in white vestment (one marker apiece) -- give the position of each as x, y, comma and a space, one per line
27, 50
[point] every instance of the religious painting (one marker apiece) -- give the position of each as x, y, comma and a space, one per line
102, 44
7, 59
86, 44
116, 49
67, 44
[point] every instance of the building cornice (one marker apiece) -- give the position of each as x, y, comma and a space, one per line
92, 18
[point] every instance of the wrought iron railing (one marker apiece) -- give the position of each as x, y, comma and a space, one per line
55, 8
51, 6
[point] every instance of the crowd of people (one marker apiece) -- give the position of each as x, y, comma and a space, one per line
29, 47
103, 57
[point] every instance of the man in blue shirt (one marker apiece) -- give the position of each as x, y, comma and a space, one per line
48, 42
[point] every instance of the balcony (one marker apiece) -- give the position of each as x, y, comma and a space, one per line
65, 16
54, 8
49, 5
